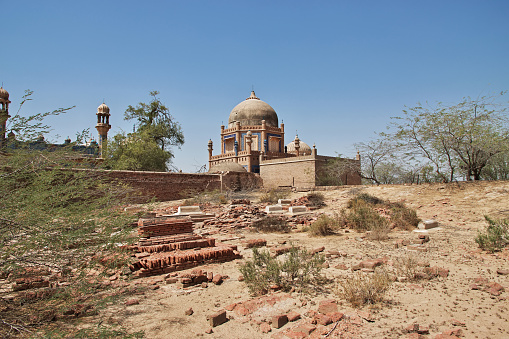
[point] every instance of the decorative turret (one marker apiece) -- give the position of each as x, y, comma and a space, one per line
297, 144
4, 115
103, 126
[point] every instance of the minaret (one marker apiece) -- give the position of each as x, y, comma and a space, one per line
4, 115
103, 126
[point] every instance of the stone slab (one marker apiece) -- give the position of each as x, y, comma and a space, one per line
427, 224
274, 209
184, 210
297, 209
284, 202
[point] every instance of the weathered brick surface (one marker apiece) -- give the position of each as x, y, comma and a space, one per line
217, 318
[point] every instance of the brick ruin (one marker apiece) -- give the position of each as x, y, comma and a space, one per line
168, 244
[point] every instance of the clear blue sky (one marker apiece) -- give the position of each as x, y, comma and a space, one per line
336, 71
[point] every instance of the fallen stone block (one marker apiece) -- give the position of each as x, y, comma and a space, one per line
279, 321
217, 318
327, 306
427, 224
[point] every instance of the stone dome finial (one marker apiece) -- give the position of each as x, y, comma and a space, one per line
103, 109
4, 94
253, 96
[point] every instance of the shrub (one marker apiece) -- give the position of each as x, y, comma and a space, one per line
407, 266
363, 217
298, 268
316, 199
324, 225
403, 217
362, 288
495, 236
271, 224
272, 196
367, 198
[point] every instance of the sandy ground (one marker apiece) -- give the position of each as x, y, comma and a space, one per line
439, 304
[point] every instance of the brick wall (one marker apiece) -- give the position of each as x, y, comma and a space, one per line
166, 186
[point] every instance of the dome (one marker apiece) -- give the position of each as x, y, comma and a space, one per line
104, 109
303, 150
4, 94
251, 112
227, 167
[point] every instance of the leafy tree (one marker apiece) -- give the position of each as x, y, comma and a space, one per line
136, 152
376, 155
464, 136
155, 120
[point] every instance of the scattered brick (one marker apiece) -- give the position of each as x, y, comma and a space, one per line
218, 279
292, 316
131, 302
279, 321
189, 311
327, 306
458, 332
217, 318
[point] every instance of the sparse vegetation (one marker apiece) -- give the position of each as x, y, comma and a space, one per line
297, 268
316, 199
212, 197
495, 236
364, 288
408, 267
324, 225
369, 213
271, 224
272, 196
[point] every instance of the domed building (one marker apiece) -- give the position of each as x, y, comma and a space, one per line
253, 141
252, 135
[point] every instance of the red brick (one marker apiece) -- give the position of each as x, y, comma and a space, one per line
279, 321
292, 316
335, 316
327, 306
218, 279
322, 319
305, 328
217, 318
455, 331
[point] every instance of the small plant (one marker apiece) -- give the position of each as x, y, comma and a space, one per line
271, 224
408, 266
316, 199
298, 268
495, 236
362, 288
272, 196
324, 225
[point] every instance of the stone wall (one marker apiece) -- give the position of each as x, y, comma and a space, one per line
301, 172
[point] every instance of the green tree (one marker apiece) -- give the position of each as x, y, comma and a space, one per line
155, 120
463, 136
136, 152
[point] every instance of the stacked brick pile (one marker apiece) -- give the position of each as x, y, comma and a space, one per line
168, 244
237, 216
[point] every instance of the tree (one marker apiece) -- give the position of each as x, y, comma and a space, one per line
136, 152
463, 136
149, 147
375, 155
155, 120
57, 219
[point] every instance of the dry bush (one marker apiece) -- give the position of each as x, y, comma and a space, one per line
409, 267
495, 236
297, 268
316, 199
366, 198
324, 225
271, 224
363, 217
272, 196
364, 288
403, 217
